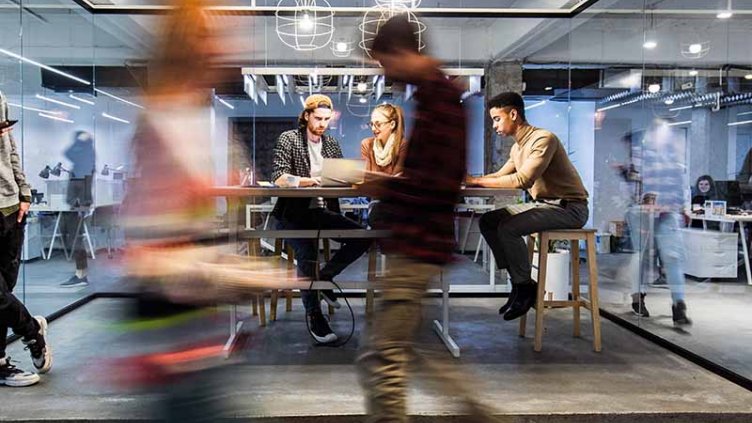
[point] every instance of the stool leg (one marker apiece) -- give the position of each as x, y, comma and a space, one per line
574, 251
254, 306
273, 305
288, 300
539, 301
595, 313
530, 254
262, 310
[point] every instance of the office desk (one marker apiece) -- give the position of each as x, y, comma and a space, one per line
234, 194
731, 218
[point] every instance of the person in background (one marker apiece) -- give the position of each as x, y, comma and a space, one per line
15, 200
79, 197
420, 207
538, 163
385, 152
655, 223
298, 157
704, 190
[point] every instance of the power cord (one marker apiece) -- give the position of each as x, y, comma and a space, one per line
349, 307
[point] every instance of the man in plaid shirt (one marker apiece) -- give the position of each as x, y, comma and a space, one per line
298, 160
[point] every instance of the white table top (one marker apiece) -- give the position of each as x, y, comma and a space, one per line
725, 218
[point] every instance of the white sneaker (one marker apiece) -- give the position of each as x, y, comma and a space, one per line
41, 352
10, 375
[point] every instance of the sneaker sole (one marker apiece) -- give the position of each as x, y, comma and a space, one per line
328, 339
74, 285
21, 384
48, 349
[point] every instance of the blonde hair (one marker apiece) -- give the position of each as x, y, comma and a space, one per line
394, 114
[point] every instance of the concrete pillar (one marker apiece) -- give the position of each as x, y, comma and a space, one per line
500, 77
708, 144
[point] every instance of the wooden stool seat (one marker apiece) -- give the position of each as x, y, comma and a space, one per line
574, 236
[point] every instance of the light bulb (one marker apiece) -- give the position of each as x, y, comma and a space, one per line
362, 100
306, 23
362, 87
654, 88
341, 46
693, 72
748, 76
669, 101
695, 48
725, 14
650, 44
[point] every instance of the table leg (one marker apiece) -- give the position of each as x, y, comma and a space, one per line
442, 328
54, 236
235, 328
745, 250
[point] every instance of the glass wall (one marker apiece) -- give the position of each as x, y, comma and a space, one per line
648, 97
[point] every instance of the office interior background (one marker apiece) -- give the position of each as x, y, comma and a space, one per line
599, 74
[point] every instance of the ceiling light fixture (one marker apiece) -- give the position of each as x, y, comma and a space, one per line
362, 87
362, 100
654, 88
228, 105
118, 98
53, 117
685, 122
748, 76
115, 118
650, 44
43, 66
304, 25
82, 100
62, 103
538, 104
743, 122
695, 48
693, 72
669, 101
33, 109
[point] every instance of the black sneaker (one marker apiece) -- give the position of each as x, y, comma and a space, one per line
41, 352
320, 329
660, 281
75, 281
679, 313
638, 305
10, 375
330, 297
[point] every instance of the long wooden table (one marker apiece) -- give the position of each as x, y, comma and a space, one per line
235, 194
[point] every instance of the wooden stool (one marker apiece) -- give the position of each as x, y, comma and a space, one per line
574, 236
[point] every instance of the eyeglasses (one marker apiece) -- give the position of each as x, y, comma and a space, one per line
377, 125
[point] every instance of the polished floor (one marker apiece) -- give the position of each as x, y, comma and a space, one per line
279, 375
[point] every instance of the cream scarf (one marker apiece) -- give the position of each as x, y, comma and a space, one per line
384, 154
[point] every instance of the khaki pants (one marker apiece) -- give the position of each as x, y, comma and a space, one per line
390, 345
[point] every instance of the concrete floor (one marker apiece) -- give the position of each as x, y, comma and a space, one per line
281, 376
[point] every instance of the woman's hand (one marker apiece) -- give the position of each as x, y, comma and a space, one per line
309, 182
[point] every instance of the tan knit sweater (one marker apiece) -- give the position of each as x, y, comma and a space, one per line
539, 163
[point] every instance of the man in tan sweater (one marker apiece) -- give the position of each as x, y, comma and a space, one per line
538, 163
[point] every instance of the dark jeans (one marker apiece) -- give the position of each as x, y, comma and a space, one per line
306, 250
13, 314
504, 231
71, 229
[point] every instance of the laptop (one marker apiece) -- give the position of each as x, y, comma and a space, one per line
342, 172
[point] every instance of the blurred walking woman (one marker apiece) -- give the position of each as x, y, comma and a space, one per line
385, 151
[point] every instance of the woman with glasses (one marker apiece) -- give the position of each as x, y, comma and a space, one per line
385, 151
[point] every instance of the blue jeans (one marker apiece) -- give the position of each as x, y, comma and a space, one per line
306, 250
666, 233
